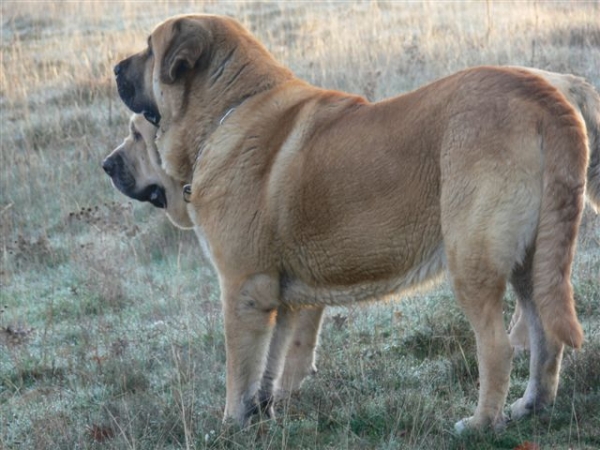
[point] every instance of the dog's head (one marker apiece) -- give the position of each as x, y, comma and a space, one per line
174, 48
135, 169
194, 70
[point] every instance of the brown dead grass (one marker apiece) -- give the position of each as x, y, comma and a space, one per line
110, 325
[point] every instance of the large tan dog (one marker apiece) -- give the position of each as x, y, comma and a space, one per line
313, 197
137, 158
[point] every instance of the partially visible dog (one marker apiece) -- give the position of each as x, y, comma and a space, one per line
135, 169
307, 197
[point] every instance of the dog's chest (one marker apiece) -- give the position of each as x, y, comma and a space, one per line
204, 245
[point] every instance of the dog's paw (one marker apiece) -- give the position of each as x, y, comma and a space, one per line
521, 408
462, 425
265, 408
471, 423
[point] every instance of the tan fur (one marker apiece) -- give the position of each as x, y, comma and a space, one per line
300, 359
586, 102
311, 197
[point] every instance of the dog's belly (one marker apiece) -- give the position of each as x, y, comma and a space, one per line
297, 292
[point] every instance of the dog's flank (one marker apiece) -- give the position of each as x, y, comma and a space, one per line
483, 169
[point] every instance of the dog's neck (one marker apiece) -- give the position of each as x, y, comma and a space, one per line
221, 121
191, 151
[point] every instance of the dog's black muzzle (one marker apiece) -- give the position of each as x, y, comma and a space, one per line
154, 194
124, 181
125, 87
121, 176
135, 99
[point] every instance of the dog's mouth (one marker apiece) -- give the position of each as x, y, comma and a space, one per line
124, 181
121, 177
152, 116
134, 96
155, 194
127, 92
136, 102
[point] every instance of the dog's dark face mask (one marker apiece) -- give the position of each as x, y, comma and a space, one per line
123, 177
134, 84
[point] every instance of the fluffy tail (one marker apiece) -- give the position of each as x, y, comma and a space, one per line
583, 97
565, 156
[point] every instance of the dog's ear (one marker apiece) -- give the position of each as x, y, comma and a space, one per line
190, 40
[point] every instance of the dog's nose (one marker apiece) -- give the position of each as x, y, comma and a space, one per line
109, 166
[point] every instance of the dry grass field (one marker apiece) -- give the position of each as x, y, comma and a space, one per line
110, 326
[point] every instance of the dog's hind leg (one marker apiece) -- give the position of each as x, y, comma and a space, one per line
250, 307
551, 314
545, 355
487, 225
523, 287
518, 331
480, 293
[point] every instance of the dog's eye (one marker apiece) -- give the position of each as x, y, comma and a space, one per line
137, 136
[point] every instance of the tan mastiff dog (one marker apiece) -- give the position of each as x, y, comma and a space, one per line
307, 197
138, 159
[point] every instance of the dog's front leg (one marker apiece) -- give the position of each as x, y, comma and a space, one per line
300, 360
250, 309
285, 328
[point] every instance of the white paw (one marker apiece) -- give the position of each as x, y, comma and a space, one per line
462, 425
520, 409
498, 424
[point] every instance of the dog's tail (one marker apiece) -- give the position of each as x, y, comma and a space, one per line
585, 99
565, 157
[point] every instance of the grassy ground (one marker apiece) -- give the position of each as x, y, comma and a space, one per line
110, 327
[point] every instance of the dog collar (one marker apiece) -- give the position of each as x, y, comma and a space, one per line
226, 114
232, 109
229, 111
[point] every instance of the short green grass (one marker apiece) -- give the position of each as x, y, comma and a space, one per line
110, 325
